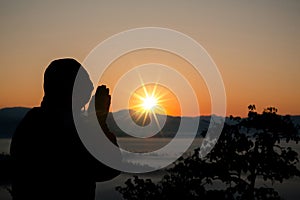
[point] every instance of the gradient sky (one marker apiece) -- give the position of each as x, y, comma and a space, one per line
255, 44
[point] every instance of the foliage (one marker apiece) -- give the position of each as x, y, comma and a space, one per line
245, 151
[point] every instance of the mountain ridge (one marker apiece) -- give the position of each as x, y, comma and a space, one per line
10, 118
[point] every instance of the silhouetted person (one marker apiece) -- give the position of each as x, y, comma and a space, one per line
50, 161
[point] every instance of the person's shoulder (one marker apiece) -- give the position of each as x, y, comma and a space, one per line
31, 119
34, 112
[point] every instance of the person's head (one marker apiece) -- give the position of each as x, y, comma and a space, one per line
59, 79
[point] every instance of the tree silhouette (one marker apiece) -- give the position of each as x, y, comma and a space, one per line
248, 149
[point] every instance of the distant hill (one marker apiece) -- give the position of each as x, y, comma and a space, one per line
11, 117
168, 130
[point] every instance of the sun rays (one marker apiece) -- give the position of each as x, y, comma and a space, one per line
146, 103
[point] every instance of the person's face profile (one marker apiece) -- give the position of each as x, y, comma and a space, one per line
85, 86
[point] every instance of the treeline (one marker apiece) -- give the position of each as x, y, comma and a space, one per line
232, 168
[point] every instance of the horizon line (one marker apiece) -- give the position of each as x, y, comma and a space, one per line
189, 116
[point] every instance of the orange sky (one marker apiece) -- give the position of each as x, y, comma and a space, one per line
136, 58
256, 45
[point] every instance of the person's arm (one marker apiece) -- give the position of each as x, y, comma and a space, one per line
102, 104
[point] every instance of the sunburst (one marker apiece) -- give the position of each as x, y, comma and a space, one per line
147, 103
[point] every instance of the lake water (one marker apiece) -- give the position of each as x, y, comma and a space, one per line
4, 145
106, 190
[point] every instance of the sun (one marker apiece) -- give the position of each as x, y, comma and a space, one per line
145, 103
147, 100
149, 103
